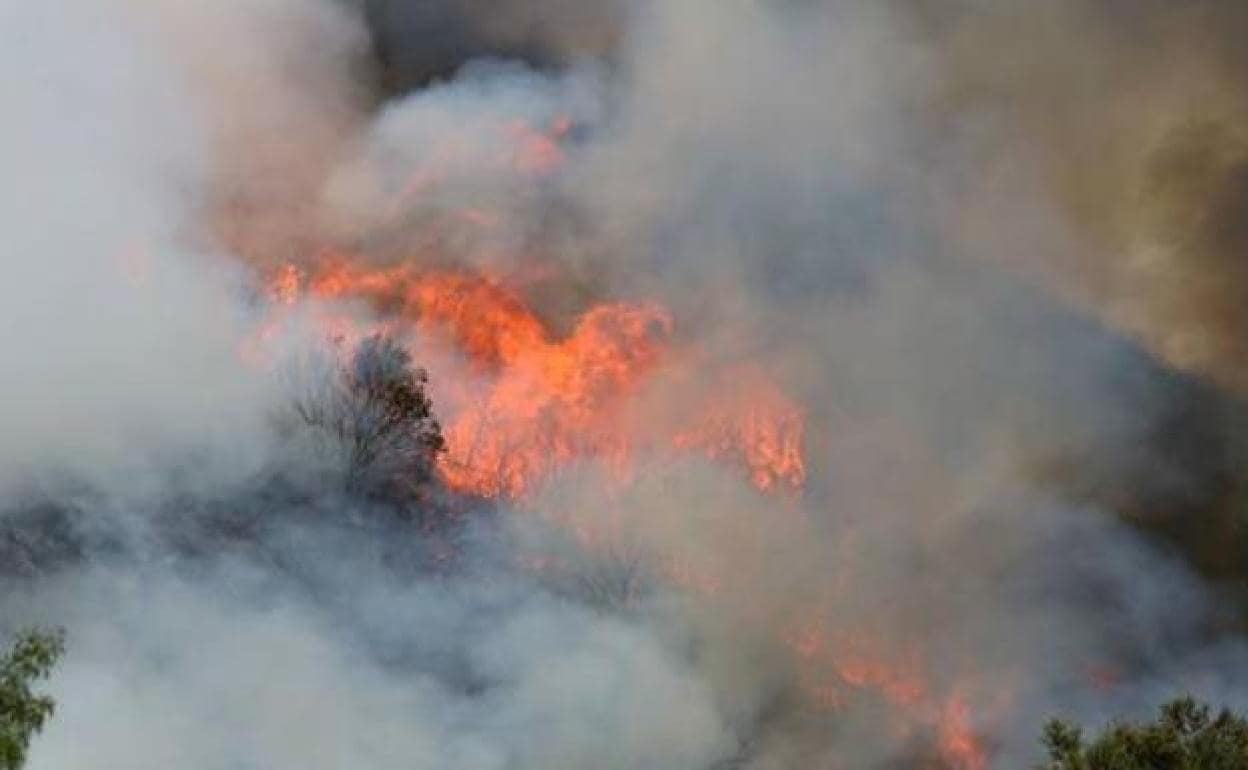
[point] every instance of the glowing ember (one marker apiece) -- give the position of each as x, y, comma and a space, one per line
833, 664
837, 665
958, 742
284, 288
756, 425
537, 152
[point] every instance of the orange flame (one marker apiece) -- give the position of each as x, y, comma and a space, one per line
834, 665
551, 401
756, 425
959, 744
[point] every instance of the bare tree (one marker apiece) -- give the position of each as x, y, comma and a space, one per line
614, 578
377, 414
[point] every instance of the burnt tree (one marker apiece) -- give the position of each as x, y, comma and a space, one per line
379, 417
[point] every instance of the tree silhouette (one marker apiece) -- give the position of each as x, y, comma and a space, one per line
381, 420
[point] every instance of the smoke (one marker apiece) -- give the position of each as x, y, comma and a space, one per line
992, 253
417, 43
120, 325
231, 667
1129, 120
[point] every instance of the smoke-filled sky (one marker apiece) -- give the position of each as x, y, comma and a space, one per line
991, 251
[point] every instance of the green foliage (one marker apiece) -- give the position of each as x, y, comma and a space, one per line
1185, 736
23, 713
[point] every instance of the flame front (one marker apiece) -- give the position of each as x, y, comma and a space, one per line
539, 402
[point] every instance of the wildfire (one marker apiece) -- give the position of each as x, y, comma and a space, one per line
536, 402
538, 152
755, 424
958, 742
836, 665
528, 400
543, 401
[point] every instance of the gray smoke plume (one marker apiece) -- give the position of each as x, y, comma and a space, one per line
991, 249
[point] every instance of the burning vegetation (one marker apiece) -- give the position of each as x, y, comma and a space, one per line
705, 385
533, 402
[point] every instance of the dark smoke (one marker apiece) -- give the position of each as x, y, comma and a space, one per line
420, 41
1131, 118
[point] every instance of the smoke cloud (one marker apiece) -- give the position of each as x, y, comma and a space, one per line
990, 251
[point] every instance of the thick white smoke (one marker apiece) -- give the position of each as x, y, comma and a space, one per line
223, 670
120, 325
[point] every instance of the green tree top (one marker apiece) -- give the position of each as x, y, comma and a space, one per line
23, 713
1186, 736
